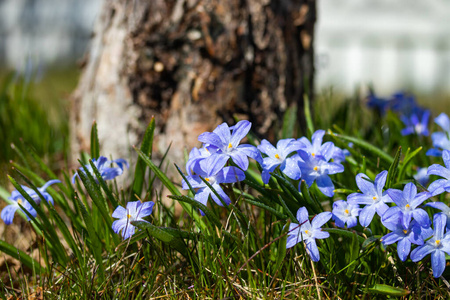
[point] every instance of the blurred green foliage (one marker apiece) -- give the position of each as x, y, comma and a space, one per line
34, 112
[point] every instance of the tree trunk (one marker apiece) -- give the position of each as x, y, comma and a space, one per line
192, 64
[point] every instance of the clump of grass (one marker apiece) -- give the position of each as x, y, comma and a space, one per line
235, 251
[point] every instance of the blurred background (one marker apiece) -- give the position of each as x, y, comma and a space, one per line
391, 45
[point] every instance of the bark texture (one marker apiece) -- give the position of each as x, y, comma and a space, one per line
193, 64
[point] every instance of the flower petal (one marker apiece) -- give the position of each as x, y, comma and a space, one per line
302, 215
403, 249
312, 250
438, 263
8, 212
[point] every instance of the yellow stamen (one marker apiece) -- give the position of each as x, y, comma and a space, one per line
438, 242
207, 179
313, 154
19, 201
230, 146
307, 231
128, 216
346, 211
374, 198
316, 168
277, 156
405, 231
407, 206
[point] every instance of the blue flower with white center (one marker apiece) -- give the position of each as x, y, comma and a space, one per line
228, 142
317, 168
345, 213
437, 246
103, 166
372, 196
404, 237
416, 123
213, 170
440, 139
135, 211
441, 185
407, 208
308, 231
8, 212
279, 157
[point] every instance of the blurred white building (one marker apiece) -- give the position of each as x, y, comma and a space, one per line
401, 44
45, 31
393, 45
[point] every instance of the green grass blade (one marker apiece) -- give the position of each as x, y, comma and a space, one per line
308, 117
289, 121
24, 258
408, 158
95, 144
175, 242
384, 289
95, 245
365, 146
146, 148
393, 168
171, 187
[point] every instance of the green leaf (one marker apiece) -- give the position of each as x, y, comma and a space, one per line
281, 250
47, 228
94, 191
388, 290
266, 207
146, 148
208, 213
393, 168
175, 242
408, 158
308, 118
24, 259
289, 120
171, 187
104, 186
95, 145
365, 146
95, 246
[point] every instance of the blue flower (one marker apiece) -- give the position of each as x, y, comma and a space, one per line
440, 139
421, 176
405, 236
103, 166
382, 105
445, 210
345, 213
441, 185
372, 196
8, 212
196, 155
315, 147
135, 211
279, 157
308, 231
417, 123
437, 246
407, 202
316, 168
213, 170
228, 143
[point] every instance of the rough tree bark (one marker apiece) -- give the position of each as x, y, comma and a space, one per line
192, 64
